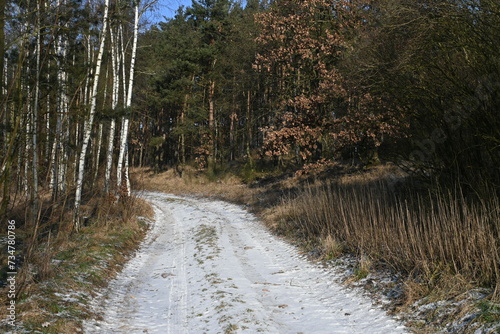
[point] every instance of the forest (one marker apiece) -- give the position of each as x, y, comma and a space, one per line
90, 89
298, 83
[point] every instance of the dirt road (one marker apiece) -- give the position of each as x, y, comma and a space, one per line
210, 267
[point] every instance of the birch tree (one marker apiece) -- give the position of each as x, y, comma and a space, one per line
128, 104
115, 65
59, 149
89, 121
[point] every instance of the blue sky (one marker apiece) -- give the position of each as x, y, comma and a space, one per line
168, 8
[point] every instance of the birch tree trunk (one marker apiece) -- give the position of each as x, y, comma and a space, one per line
124, 135
34, 221
98, 151
119, 167
115, 64
98, 144
109, 155
121, 155
27, 147
25, 106
47, 130
60, 154
86, 90
90, 120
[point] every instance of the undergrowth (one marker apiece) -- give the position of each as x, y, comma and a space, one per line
429, 236
66, 269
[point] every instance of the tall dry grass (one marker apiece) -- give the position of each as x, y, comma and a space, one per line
428, 236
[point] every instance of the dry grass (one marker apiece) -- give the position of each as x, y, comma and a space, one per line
432, 236
190, 181
331, 247
55, 284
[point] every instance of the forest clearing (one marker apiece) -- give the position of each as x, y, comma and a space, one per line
364, 133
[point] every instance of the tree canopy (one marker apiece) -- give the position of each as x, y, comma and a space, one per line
297, 82
284, 83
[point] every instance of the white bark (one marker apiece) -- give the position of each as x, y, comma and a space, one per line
60, 153
115, 63
121, 155
109, 155
25, 87
98, 148
47, 129
53, 169
90, 120
126, 172
86, 90
98, 143
119, 168
122, 47
27, 147
124, 135
77, 138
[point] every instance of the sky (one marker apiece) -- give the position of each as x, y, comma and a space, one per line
167, 8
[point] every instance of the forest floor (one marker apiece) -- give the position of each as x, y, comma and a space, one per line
56, 284
211, 262
208, 266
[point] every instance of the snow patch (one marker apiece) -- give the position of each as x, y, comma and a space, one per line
209, 267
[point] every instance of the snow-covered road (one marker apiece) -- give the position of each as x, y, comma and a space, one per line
210, 267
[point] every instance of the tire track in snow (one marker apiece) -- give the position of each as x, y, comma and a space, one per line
177, 305
210, 267
301, 297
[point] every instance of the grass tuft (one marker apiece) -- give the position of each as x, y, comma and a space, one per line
489, 312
